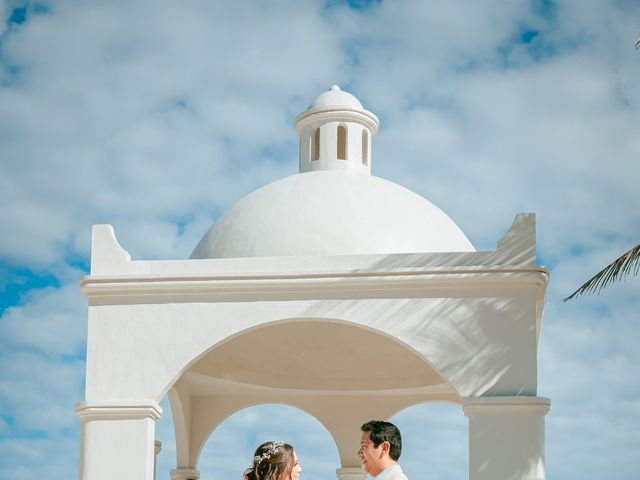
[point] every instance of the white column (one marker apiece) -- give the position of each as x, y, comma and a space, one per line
506, 437
350, 473
117, 439
157, 448
185, 474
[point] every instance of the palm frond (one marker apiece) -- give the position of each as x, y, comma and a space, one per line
617, 270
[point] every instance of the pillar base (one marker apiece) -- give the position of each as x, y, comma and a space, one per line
185, 474
350, 473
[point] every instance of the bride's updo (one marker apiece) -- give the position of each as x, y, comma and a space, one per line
270, 461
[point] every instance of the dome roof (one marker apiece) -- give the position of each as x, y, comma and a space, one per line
334, 206
334, 99
336, 105
330, 212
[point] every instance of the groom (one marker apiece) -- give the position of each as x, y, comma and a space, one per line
380, 448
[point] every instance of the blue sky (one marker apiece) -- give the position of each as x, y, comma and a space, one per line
157, 116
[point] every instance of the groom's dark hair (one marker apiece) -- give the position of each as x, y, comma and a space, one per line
382, 431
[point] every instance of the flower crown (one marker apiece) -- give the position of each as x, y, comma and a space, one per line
272, 450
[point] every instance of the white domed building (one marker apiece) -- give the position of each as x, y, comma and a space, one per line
340, 264
337, 207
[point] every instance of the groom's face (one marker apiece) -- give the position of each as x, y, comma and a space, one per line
370, 456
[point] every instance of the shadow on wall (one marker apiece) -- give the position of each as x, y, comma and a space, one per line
481, 346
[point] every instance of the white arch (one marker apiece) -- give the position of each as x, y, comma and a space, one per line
267, 324
251, 404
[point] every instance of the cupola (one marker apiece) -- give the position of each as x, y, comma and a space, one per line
335, 133
334, 206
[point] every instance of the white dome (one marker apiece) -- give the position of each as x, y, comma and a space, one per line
335, 98
331, 212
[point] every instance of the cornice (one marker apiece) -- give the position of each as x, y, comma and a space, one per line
509, 404
321, 285
118, 410
316, 117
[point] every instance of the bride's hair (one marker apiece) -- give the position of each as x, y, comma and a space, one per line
270, 461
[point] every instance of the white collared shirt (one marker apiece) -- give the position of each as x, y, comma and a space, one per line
386, 471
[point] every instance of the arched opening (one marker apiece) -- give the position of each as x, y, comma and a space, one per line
347, 345
434, 435
229, 449
296, 361
315, 144
315, 354
365, 147
342, 143
435, 440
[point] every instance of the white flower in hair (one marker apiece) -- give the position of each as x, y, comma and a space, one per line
272, 450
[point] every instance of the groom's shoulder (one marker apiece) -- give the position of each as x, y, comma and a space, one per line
398, 475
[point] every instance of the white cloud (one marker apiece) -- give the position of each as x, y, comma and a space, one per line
39, 392
31, 458
125, 116
51, 321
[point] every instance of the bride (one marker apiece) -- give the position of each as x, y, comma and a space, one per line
273, 461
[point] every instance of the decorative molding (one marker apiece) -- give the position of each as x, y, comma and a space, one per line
185, 474
105, 249
320, 117
350, 473
118, 410
519, 242
326, 284
507, 405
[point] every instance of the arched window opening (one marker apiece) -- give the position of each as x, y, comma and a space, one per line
242, 431
315, 145
365, 147
342, 142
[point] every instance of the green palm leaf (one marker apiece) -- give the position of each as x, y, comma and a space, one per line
617, 270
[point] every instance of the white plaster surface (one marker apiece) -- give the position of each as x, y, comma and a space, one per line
113, 448
506, 437
478, 345
459, 324
335, 98
331, 213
